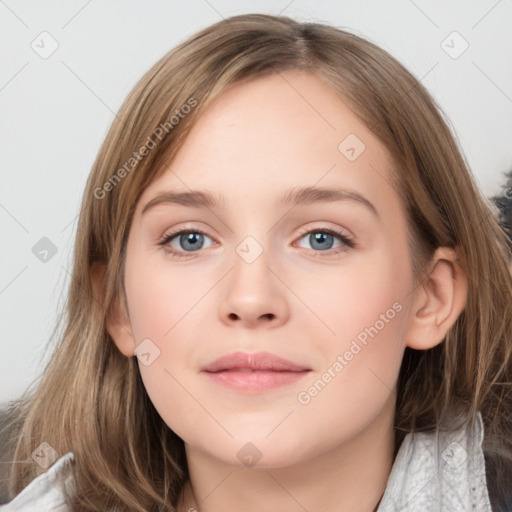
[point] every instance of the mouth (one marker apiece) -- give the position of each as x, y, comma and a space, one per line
254, 372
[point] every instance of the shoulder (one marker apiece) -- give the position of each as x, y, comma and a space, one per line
46, 493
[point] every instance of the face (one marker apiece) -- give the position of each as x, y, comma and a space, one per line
324, 283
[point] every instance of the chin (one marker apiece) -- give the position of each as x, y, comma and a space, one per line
259, 453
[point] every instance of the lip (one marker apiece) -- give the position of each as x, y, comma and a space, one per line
264, 361
254, 371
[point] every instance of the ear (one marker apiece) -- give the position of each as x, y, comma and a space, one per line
440, 299
117, 320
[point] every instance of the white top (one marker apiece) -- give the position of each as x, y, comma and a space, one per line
432, 472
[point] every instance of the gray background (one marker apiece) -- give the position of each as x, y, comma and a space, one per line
55, 111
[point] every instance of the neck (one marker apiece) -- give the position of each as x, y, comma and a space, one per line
351, 476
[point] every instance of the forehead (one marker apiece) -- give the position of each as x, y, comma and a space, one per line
258, 139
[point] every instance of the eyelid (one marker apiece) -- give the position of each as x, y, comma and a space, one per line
168, 236
345, 236
178, 231
345, 233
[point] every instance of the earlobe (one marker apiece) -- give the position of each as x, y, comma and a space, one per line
117, 321
440, 299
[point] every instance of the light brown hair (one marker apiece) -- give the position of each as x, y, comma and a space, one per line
91, 400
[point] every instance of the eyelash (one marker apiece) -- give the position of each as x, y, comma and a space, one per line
347, 241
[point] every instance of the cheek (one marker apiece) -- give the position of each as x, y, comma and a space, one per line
159, 297
364, 319
162, 305
351, 300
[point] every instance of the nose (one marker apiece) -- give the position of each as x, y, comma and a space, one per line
255, 296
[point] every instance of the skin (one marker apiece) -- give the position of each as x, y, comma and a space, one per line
302, 303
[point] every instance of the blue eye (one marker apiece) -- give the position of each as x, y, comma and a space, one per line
190, 241
322, 240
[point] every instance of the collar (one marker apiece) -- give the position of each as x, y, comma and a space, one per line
442, 470
45, 493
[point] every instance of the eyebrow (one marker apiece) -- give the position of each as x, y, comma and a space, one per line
293, 197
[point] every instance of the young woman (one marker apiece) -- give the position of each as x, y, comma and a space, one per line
340, 337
